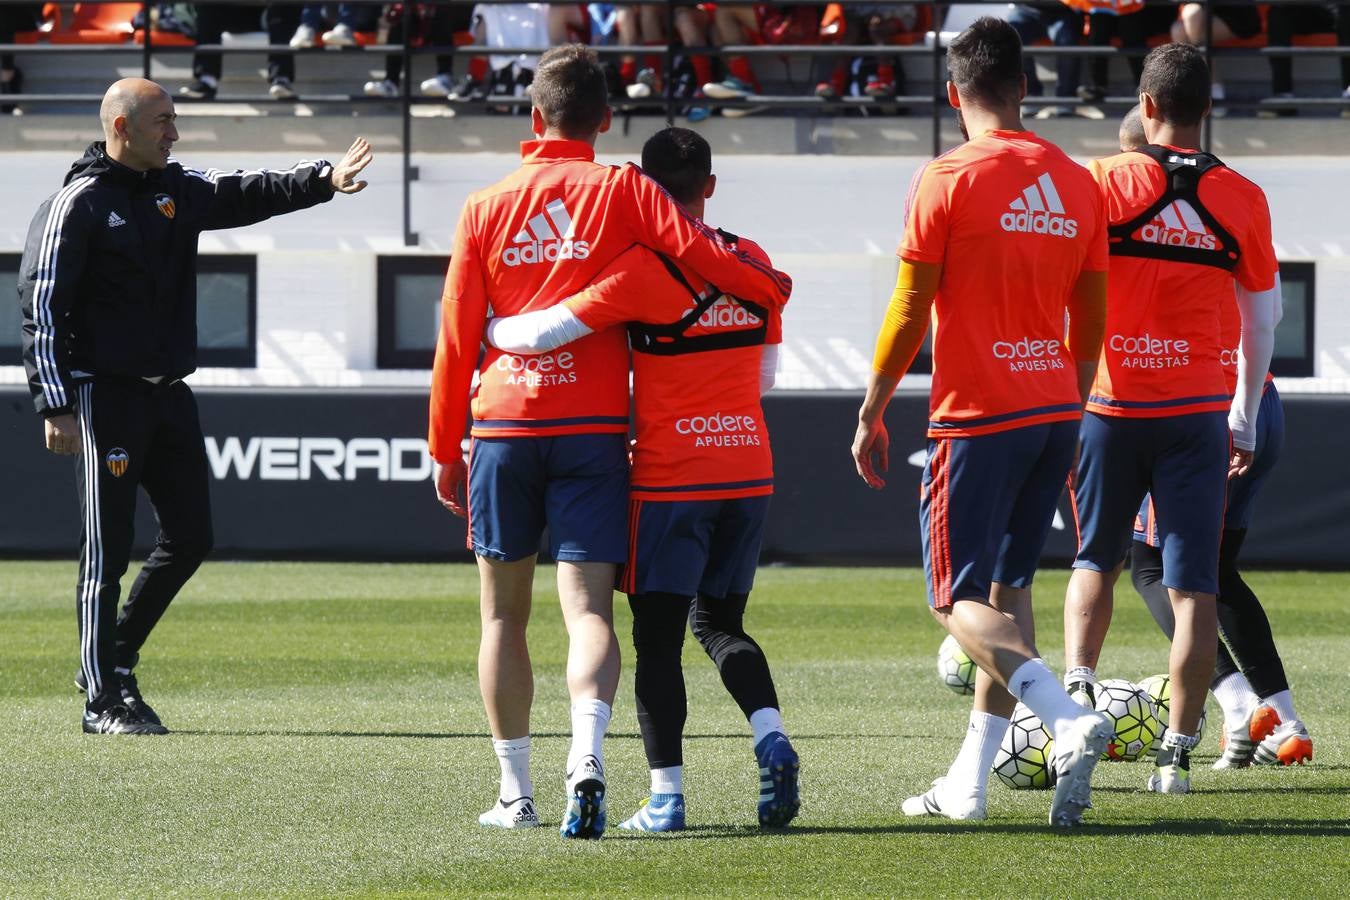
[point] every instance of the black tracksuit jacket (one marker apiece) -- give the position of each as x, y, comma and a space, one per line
108, 280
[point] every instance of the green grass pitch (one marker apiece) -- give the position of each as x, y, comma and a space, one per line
329, 740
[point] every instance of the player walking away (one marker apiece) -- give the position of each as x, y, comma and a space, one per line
549, 432
1006, 400
108, 283
702, 477
1249, 720
1183, 228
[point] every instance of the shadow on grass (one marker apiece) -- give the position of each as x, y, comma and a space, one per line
460, 735
1196, 827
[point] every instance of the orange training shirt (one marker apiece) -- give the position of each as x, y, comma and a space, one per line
1013, 221
700, 428
544, 232
1163, 353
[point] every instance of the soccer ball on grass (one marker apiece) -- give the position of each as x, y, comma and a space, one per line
1025, 759
1159, 690
956, 670
1132, 717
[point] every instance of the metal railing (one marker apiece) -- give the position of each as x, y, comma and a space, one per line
669, 105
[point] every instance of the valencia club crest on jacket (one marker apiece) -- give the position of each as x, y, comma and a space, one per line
117, 460
165, 204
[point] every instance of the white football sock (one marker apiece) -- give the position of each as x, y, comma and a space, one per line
1037, 687
590, 718
669, 780
969, 773
514, 757
1283, 704
764, 722
1236, 698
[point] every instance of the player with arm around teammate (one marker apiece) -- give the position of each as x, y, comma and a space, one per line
108, 284
1184, 228
701, 481
549, 434
1003, 237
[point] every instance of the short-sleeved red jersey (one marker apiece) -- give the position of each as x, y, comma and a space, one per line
1165, 337
544, 232
1013, 222
700, 428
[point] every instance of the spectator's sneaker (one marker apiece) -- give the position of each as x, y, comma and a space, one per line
1237, 746
730, 89
1077, 749
1090, 93
879, 88
381, 88
118, 719
437, 86
696, 114
827, 91
1287, 745
467, 88
305, 37
585, 815
1055, 112
1345, 110
779, 800
934, 802
202, 88
280, 89
519, 813
339, 36
1173, 774
659, 812
643, 87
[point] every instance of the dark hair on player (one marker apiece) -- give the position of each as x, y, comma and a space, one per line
570, 91
680, 161
1132, 129
985, 61
1177, 78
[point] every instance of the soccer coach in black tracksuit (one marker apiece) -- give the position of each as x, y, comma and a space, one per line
109, 294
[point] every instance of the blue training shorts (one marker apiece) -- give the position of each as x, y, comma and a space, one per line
576, 485
1183, 461
986, 507
689, 547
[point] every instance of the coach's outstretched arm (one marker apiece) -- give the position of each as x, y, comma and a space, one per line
232, 199
49, 276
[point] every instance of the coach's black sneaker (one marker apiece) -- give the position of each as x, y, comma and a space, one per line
131, 697
118, 719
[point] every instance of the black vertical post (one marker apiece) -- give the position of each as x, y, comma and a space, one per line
937, 82
405, 106
1208, 133
146, 49
668, 67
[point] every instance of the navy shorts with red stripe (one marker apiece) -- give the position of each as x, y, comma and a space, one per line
574, 485
1242, 491
689, 547
1183, 461
986, 507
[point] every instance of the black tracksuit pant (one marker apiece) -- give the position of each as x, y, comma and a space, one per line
135, 435
279, 20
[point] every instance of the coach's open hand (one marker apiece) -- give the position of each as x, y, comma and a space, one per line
452, 487
63, 435
344, 174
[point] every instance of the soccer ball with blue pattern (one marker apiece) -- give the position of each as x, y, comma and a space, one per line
956, 670
1132, 716
1159, 690
1025, 759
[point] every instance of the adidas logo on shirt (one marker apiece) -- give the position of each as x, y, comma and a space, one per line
547, 237
1178, 225
115, 221
1039, 211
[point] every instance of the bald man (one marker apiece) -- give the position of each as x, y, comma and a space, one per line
109, 290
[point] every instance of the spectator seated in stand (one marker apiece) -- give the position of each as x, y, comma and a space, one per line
279, 20
763, 23
437, 26
883, 24
1305, 24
